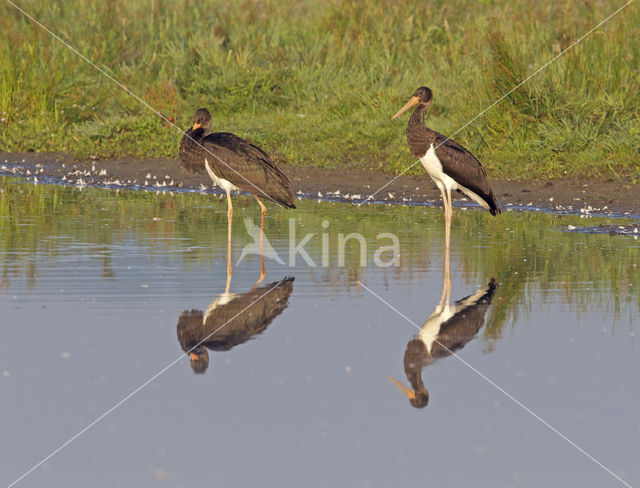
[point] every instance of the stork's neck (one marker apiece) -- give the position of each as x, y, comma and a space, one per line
414, 375
416, 357
419, 136
200, 132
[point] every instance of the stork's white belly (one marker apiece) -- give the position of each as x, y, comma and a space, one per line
227, 186
433, 166
429, 332
223, 299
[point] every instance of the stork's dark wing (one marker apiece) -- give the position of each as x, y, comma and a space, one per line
236, 321
247, 166
251, 313
465, 324
247, 314
462, 166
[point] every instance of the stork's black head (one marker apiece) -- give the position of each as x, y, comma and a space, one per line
422, 96
202, 118
420, 398
199, 359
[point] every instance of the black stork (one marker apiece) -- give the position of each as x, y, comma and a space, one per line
446, 331
231, 319
233, 164
450, 165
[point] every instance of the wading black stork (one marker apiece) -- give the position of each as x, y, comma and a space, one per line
449, 164
233, 164
231, 319
446, 331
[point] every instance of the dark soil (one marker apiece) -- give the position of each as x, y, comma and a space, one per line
586, 196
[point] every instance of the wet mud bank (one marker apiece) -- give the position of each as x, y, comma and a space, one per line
350, 185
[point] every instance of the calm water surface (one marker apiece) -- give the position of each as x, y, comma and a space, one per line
101, 291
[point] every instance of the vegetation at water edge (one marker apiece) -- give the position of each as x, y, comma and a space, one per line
316, 83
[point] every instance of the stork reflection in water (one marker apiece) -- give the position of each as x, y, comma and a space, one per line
447, 330
231, 319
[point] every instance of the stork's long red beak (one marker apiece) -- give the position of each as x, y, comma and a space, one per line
412, 102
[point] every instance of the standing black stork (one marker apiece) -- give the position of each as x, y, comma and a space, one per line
233, 164
446, 331
449, 164
231, 319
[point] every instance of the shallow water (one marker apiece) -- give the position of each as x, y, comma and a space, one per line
98, 286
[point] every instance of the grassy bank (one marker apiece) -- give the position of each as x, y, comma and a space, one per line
315, 83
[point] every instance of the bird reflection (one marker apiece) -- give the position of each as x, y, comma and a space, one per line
231, 319
447, 330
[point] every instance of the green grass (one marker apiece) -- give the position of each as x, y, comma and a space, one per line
315, 83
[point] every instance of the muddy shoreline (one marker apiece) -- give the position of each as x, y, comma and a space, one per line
564, 195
